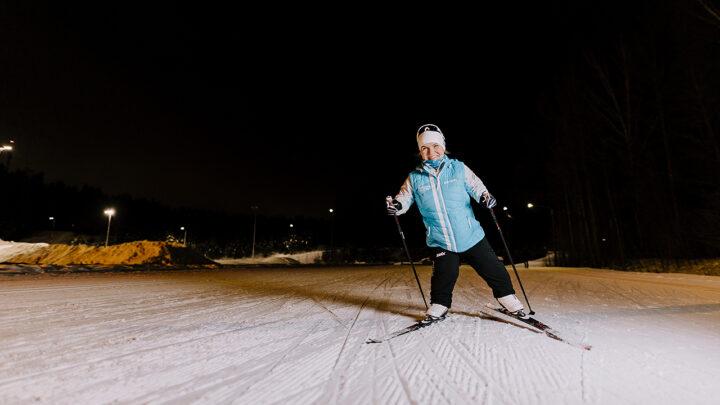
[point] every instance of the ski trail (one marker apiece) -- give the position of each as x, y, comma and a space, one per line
452, 391
272, 366
336, 381
406, 389
297, 336
478, 371
403, 382
342, 348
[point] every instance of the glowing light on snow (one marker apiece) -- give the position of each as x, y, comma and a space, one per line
6, 147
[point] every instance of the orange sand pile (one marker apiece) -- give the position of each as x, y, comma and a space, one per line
132, 253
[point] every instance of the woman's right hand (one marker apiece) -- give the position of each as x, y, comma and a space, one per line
392, 206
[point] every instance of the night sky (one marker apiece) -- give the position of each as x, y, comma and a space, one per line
295, 110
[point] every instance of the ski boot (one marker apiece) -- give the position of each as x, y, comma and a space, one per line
435, 313
512, 305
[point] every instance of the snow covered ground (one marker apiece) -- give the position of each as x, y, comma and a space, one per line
296, 336
9, 249
311, 257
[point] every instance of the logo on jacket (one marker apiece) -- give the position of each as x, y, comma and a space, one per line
440, 254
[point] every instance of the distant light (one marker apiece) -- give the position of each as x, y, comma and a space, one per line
331, 210
12, 141
182, 228
504, 208
292, 226
6, 147
51, 218
604, 240
530, 205
109, 212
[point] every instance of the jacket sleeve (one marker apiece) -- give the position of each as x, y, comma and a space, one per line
473, 184
405, 196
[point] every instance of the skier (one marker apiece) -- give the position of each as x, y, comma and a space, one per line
442, 188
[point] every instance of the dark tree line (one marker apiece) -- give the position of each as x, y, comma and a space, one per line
27, 202
635, 156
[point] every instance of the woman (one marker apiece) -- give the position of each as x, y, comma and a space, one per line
442, 187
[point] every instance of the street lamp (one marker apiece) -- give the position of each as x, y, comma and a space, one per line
109, 212
254, 209
291, 239
52, 220
182, 228
6, 148
332, 226
552, 223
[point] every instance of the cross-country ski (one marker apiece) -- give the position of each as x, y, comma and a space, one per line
502, 312
417, 325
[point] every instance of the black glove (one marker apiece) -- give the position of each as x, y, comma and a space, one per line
488, 200
393, 206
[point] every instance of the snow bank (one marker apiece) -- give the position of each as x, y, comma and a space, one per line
9, 250
311, 257
132, 253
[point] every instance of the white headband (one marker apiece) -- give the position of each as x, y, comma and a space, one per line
430, 137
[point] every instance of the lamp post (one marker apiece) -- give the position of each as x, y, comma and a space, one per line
52, 221
254, 209
291, 238
530, 205
332, 226
182, 228
7, 149
109, 212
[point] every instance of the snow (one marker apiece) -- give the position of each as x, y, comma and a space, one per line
311, 257
295, 335
9, 249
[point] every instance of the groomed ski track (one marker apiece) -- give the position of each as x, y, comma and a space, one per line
296, 335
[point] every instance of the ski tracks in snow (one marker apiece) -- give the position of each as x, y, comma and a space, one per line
267, 336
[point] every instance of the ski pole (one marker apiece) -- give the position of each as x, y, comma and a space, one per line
511, 260
407, 251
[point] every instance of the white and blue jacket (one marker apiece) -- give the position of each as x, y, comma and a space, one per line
443, 198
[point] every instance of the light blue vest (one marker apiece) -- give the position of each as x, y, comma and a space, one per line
444, 203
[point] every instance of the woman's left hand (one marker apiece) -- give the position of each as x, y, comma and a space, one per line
488, 200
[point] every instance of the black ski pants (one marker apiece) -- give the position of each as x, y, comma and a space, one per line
482, 258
